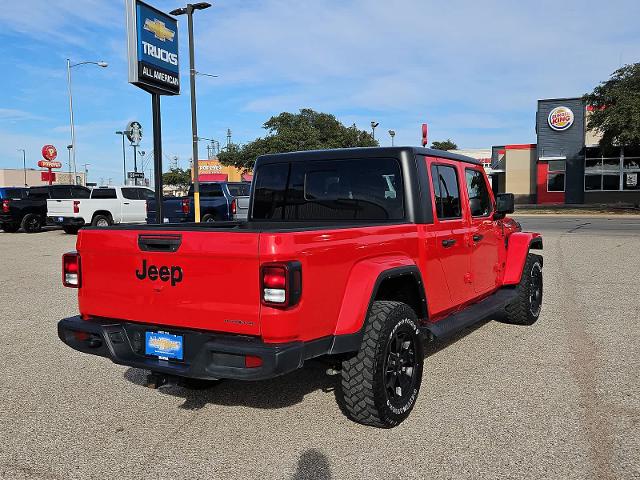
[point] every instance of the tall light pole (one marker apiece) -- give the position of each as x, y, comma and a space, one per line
73, 133
86, 173
188, 10
24, 164
374, 124
392, 133
124, 157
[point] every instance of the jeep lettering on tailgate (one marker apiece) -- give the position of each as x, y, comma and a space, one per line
164, 273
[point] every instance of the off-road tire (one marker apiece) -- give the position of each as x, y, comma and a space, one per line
208, 218
31, 223
100, 219
10, 227
525, 309
364, 395
71, 230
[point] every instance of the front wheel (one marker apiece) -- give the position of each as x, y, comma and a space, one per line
32, 223
525, 309
380, 384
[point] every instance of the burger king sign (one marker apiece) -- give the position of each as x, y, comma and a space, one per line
560, 118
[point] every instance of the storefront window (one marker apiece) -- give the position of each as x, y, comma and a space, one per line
556, 175
593, 182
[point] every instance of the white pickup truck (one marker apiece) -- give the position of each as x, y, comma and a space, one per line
105, 206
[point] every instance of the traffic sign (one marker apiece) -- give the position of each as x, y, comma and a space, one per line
134, 175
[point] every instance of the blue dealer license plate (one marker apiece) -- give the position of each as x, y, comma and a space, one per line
163, 345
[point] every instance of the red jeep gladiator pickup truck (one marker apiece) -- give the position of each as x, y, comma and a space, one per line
358, 255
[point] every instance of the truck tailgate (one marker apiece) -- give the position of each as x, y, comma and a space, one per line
209, 282
60, 208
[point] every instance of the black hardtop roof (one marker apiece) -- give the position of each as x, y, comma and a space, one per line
362, 153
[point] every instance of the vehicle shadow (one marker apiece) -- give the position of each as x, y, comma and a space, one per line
312, 465
279, 392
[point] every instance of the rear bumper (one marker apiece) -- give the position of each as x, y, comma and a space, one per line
206, 355
72, 221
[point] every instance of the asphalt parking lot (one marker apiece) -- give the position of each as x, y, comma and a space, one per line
559, 400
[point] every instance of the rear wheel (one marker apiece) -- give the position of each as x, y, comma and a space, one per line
525, 309
10, 227
101, 221
72, 230
208, 218
380, 384
32, 223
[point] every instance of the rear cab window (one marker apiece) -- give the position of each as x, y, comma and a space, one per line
326, 190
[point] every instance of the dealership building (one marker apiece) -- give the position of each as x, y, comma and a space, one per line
566, 165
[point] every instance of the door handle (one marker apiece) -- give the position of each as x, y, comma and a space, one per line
477, 237
125, 203
449, 242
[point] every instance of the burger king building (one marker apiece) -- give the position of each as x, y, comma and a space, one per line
567, 165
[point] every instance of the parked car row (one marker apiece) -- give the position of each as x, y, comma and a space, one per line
73, 206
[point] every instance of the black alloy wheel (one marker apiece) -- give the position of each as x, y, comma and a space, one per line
400, 371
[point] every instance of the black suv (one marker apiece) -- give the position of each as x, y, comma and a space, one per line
28, 207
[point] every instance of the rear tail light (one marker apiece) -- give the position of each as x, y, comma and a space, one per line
281, 284
185, 205
76, 206
234, 208
5, 206
71, 270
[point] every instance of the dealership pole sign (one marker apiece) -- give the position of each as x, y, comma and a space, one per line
152, 42
49, 154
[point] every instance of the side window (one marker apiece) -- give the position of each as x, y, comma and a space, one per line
479, 199
80, 192
61, 192
104, 193
130, 193
446, 192
38, 193
146, 194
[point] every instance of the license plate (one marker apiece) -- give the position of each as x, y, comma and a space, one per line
164, 345
60, 219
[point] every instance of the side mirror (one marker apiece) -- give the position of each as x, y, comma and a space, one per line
504, 205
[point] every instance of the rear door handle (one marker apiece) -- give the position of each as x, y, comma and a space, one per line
477, 237
125, 203
449, 242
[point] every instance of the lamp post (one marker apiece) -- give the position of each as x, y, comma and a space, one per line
86, 173
73, 133
188, 10
24, 164
124, 156
392, 133
374, 124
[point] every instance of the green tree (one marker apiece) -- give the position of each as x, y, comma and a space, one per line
616, 113
290, 132
177, 177
447, 144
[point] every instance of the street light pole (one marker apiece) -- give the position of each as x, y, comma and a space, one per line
190, 8
374, 124
124, 158
392, 133
73, 133
24, 164
86, 173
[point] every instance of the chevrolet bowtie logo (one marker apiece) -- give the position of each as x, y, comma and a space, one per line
159, 29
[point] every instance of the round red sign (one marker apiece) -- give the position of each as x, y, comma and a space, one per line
49, 152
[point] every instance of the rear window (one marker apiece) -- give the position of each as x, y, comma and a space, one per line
103, 193
329, 190
11, 192
38, 193
131, 193
61, 192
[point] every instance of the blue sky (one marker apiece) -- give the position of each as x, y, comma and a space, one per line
472, 70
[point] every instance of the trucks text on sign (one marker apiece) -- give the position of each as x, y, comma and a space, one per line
152, 38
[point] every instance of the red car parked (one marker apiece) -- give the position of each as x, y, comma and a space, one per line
356, 255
